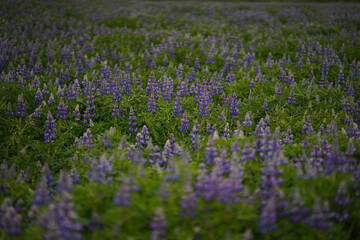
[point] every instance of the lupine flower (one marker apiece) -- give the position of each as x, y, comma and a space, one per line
222, 116
177, 106
106, 141
265, 106
142, 138
291, 98
42, 193
226, 133
9, 111
247, 122
278, 90
188, 200
39, 97
195, 136
20, 109
268, 217
320, 216
158, 225
234, 111
115, 111
341, 198
179, 72
132, 122
222, 162
50, 129
87, 139
204, 104
37, 113
60, 220
77, 113
51, 100
151, 108
184, 125
65, 183
210, 152
9, 218
122, 196
61, 110
100, 169
297, 212
75, 176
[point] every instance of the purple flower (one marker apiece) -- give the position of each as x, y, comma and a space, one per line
291, 98
132, 122
210, 152
20, 110
37, 113
226, 133
100, 169
115, 111
204, 100
297, 212
50, 129
77, 113
106, 141
9, 111
60, 220
177, 106
158, 225
222, 116
9, 218
184, 125
320, 217
87, 139
234, 111
51, 100
61, 110
151, 107
195, 137
247, 122
268, 217
42, 193
39, 97
142, 138
65, 183
342, 199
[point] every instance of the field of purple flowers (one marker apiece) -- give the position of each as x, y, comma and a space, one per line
168, 120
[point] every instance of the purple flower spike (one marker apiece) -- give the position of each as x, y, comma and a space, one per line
50, 129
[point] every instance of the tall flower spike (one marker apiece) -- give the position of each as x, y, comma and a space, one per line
50, 129
266, 106
222, 116
247, 122
9, 111
291, 98
226, 133
158, 225
87, 139
142, 138
20, 110
132, 122
77, 113
115, 111
61, 110
9, 218
51, 100
268, 218
177, 106
151, 108
184, 125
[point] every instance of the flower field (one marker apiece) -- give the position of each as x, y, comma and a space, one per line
179, 120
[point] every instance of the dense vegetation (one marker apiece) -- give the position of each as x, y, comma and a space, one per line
166, 120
